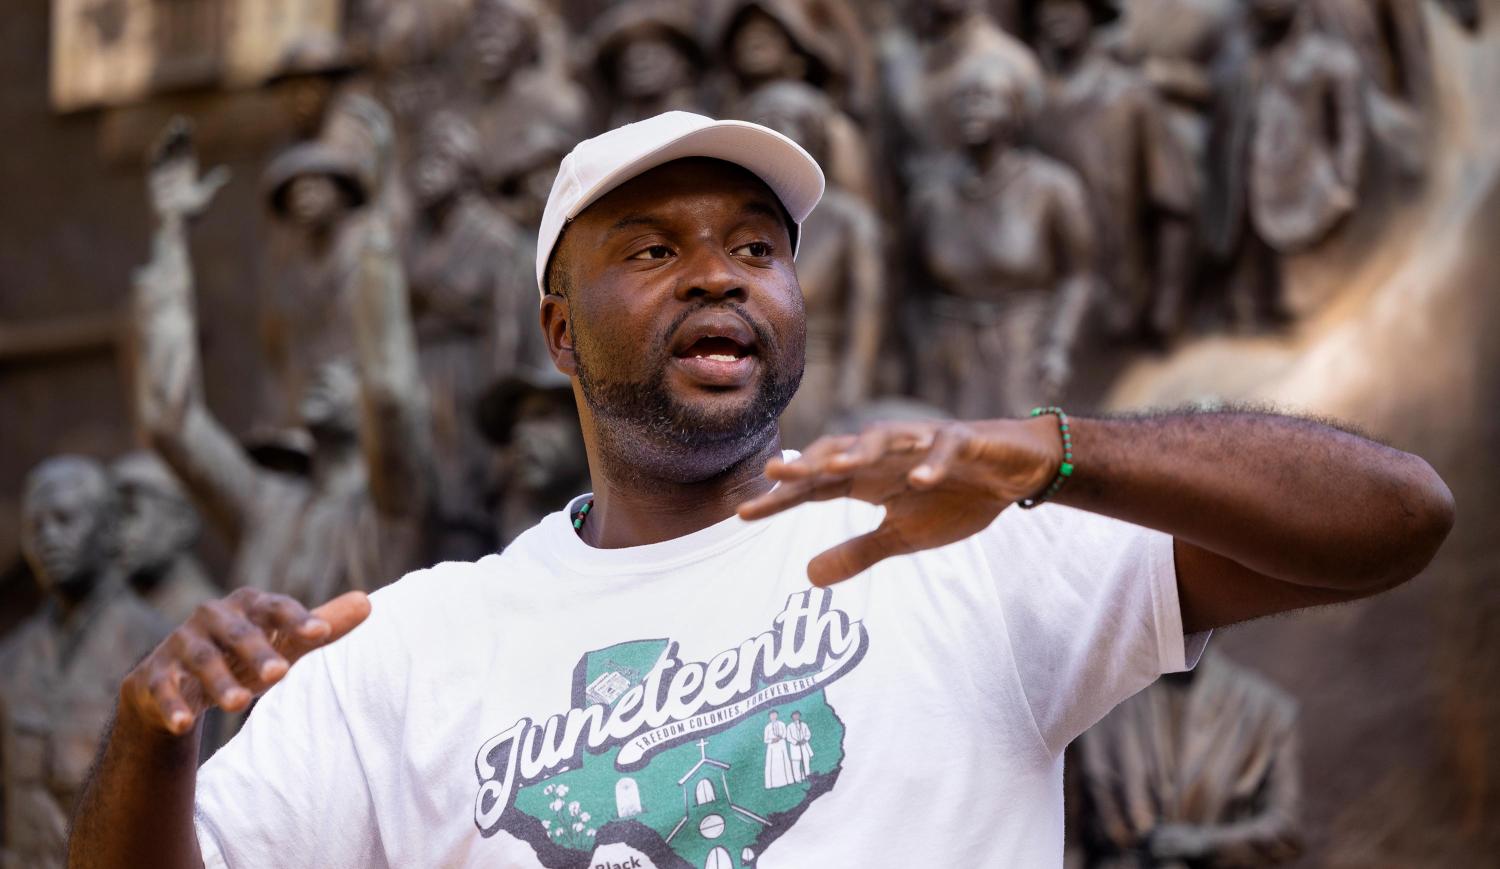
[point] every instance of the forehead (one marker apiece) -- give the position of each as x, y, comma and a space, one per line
681, 189
64, 490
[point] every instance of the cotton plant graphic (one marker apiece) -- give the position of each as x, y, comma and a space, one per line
569, 824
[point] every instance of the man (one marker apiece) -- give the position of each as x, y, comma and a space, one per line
59, 669
673, 605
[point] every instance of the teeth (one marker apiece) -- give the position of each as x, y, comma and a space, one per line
721, 357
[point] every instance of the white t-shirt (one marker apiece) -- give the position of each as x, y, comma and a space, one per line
559, 705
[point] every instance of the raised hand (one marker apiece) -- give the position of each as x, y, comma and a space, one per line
231, 651
176, 190
939, 481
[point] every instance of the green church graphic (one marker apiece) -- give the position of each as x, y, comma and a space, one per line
713, 796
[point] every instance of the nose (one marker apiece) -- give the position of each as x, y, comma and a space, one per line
711, 275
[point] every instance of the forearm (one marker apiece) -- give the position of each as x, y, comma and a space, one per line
1288, 498
137, 808
392, 396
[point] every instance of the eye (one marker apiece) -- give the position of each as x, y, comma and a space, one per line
755, 250
655, 251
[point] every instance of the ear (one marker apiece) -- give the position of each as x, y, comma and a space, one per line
557, 330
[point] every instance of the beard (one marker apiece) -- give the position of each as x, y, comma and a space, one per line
643, 412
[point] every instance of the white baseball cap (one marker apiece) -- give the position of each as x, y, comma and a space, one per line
599, 165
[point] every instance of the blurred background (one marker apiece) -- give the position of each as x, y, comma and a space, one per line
267, 316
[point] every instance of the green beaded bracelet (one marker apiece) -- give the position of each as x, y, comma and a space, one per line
1064, 470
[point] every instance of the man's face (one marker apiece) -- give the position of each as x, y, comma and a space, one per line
684, 316
63, 527
1064, 24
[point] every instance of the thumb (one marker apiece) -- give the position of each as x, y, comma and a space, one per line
343, 614
855, 556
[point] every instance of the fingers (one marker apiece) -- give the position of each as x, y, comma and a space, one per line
155, 696
947, 447
343, 614
257, 663
789, 494
230, 651
204, 661
855, 556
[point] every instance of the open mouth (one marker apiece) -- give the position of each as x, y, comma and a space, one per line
717, 348
716, 351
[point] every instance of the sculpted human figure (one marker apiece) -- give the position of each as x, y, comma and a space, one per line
1199, 769
767, 41
522, 86
1189, 51
60, 670
539, 462
647, 57
842, 276
321, 197
1104, 120
473, 303
1006, 236
354, 519
1300, 142
158, 528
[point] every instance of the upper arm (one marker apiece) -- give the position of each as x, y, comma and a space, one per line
1215, 591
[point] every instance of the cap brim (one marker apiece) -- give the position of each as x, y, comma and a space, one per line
791, 173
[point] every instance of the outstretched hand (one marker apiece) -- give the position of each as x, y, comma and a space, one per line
176, 190
231, 651
939, 481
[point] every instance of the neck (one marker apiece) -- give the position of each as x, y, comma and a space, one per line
1065, 59
635, 508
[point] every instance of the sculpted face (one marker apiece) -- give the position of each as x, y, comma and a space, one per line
649, 67
501, 38
983, 106
1273, 11
313, 200
446, 153
683, 321
65, 524
760, 48
1064, 24
156, 521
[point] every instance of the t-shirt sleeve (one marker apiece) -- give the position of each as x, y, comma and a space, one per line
291, 781
1090, 612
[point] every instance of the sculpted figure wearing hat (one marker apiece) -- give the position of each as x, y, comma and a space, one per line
471, 301
355, 517
598, 692
1105, 121
646, 58
320, 196
1008, 239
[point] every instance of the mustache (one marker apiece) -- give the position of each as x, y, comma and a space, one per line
763, 335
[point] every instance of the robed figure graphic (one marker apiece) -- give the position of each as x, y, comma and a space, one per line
778, 758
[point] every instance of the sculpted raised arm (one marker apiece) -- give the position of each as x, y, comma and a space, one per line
395, 431
167, 391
